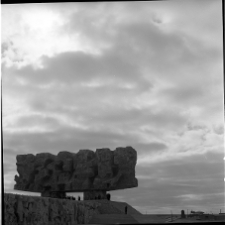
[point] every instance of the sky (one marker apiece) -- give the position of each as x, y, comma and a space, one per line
115, 74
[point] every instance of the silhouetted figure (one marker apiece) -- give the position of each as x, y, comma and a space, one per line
108, 196
99, 197
125, 209
78, 198
183, 214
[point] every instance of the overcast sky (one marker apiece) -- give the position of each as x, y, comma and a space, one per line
142, 74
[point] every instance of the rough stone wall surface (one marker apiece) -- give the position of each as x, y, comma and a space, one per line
32, 210
107, 208
83, 171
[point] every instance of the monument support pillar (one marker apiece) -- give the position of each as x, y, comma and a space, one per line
53, 194
91, 195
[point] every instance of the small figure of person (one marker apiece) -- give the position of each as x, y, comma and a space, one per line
78, 198
125, 209
108, 196
183, 214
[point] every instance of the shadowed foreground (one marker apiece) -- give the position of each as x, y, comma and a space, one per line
22, 209
34, 210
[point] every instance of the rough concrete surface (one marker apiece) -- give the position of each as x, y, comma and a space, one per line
84, 171
33, 210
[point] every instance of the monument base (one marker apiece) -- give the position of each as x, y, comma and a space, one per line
87, 195
54, 194
91, 195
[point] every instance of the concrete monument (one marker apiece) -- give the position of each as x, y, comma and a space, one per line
87, 171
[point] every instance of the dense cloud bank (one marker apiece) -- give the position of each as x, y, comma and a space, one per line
95, 75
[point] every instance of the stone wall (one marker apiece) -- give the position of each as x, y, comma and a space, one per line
34, 210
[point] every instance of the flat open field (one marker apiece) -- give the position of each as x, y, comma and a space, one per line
155, 218
167, 218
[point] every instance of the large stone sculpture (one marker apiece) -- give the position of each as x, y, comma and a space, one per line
86, 171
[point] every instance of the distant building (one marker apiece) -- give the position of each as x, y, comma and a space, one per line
217, 217
197, 212
199, 215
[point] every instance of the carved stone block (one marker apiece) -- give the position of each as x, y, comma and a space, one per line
84, 171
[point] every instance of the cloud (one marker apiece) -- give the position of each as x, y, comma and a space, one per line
35, 121
187, 94
4, 47
65, 138
219, 129
147, 75
152, 147
9, 168
81, 68
182, 179
175, 184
